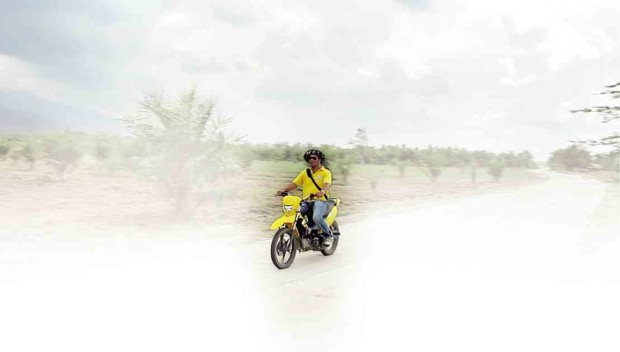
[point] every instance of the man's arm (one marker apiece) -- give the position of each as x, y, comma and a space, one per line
327, 183
291, 186
324, 190
297, 182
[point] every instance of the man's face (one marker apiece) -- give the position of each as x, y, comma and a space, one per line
313, 160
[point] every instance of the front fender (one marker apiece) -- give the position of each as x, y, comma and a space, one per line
284, 219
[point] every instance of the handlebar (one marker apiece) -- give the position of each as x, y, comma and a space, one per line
284, 194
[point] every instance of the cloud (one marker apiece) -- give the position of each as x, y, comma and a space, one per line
23, 112
415, 72
72, 41
16, 75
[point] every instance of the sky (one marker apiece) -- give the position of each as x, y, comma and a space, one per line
493, 75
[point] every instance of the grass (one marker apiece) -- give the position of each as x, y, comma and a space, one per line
265, 177
359, 173
90, 196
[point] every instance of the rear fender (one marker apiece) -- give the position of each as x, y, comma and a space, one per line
332, 215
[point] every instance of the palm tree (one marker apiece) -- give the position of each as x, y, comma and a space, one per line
189, 145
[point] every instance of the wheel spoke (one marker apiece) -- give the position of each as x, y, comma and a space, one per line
282, 243
288, 245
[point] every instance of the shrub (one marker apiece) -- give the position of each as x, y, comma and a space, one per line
62, 151
496, 169
4, 150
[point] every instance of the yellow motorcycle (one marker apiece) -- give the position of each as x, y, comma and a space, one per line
298, 232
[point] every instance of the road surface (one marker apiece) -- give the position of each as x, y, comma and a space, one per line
530, 269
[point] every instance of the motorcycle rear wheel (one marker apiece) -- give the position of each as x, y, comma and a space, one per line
283, 243
331, 249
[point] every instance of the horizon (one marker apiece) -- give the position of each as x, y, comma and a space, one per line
128, 134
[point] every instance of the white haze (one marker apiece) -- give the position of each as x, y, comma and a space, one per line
529, 269
495, 75
93, 263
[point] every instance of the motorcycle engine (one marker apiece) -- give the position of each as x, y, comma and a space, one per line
315, 241
305, 244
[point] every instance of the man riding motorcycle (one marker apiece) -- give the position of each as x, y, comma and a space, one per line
322, 178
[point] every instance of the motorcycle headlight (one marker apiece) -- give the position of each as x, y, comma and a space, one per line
287, 208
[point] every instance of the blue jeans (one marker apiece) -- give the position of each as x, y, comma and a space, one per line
320, 209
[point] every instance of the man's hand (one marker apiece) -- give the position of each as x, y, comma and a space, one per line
319, 194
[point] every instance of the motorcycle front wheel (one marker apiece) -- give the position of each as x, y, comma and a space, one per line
283, 248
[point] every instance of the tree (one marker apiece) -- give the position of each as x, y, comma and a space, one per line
6, 145
31, 151
572, 158
4, 150
62, 151
374, 178
342, 166
401, 166
189, 145
360, 143
525, 159
102, 149
496, 168
607, 113
432, 161
462, 160
609, 161
473, 171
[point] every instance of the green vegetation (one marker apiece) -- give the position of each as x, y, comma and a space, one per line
572, 158
185, 148
196, 163
63, 151
576, 158
607, 113
496, 169
243, 184
4, 150
387, 155
604, 166
188, 145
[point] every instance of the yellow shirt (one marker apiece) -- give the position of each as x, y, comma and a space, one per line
321, 176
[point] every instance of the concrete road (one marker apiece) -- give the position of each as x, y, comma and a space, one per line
530, 269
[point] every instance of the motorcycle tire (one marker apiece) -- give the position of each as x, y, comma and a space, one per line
283, 242
331, 249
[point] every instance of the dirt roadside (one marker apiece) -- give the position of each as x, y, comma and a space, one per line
88, 204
